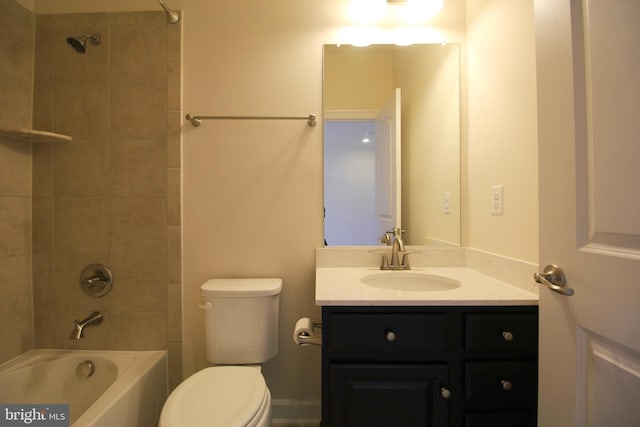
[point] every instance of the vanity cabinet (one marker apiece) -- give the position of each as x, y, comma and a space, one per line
429, 366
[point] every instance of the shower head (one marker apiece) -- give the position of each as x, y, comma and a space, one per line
79, 43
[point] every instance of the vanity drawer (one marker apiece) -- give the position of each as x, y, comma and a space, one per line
501, 334
512, 385
373, 336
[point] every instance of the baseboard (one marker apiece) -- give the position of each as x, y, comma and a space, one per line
296, 412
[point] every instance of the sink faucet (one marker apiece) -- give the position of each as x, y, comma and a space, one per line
397, 249
94, 318
399, 256
385, 239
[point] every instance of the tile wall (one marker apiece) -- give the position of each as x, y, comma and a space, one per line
112, 195
16, 64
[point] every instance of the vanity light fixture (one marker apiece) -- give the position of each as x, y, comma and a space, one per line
367, 11
362, 35
416, 11
411, 34
409, 11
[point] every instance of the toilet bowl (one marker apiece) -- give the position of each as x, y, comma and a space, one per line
220, 396
241, 330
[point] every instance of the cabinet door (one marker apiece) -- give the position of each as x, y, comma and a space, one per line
387, 395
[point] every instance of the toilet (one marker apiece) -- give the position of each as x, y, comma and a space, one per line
241, 332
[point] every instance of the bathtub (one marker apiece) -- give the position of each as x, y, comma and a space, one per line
124, 388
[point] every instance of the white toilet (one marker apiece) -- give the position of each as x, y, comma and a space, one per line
241, 328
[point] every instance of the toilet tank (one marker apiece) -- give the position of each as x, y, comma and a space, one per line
241, 320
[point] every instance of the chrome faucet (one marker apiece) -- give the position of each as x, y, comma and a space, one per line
385, 239
94, 318
397, 249
399, 256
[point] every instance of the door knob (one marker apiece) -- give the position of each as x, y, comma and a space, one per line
553, 278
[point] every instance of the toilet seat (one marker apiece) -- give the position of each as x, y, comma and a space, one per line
221, 396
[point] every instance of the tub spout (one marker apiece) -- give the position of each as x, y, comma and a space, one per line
94, 318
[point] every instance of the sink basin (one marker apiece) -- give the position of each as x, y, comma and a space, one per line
405, 281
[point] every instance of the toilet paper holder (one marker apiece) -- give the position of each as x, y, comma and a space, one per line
304, 337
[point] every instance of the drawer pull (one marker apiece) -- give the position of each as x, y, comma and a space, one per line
508, 336
391, 336
506, 385
445, 393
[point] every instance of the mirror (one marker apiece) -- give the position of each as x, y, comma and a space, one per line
358, 81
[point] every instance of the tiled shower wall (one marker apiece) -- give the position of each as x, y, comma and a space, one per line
16, 65
112, 195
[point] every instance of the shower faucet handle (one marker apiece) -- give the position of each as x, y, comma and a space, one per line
96, 280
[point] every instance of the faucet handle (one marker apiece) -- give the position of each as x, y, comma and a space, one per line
96, 280
384, 261
405, 258
397, 231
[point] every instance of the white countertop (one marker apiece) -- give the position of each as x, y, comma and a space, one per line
342, 286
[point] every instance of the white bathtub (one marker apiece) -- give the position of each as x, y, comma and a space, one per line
127, 388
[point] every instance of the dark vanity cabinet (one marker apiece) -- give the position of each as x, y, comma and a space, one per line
429, 366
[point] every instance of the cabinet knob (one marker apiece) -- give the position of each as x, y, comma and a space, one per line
508, 336
391, 336
445, 393
506, 385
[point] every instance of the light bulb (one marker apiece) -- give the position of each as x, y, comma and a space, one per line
415, 11
367, 11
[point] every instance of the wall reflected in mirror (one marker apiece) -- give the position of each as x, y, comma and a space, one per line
357, 84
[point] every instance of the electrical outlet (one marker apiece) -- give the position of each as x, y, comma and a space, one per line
446, 203
497, 200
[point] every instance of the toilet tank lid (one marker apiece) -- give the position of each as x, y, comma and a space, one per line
241, 288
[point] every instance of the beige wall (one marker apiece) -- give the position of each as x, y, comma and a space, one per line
357, 78
502, 128
253, 190
431, 122
16, 65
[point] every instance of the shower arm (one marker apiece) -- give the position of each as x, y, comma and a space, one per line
95, 39
172, 16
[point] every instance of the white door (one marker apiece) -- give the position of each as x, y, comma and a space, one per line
588, 55
388, 198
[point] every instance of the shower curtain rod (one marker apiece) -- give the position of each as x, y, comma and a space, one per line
196, 121
172, 16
